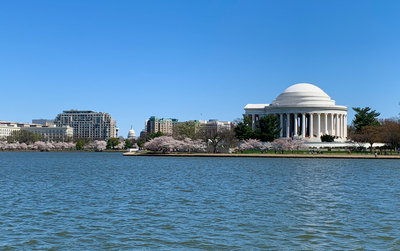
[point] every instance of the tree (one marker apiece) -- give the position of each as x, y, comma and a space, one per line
23, 136
281, 144
250, 144
80, 144
112, 143
187, 129
163, 143
364, 117
268, 128
154, 135
368, 134
99, 145
215, 137
327, 138
140, 144
390, 132
243, 129
128, 144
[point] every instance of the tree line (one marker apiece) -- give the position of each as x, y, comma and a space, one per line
367, 128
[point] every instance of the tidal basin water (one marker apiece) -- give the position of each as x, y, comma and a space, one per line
100, 201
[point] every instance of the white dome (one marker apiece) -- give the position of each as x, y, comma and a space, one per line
303, 94
131, 134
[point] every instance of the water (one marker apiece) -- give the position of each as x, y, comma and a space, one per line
93, 201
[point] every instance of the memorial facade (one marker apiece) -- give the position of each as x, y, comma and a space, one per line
305, 112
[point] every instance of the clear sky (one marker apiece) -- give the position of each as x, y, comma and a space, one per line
193, 59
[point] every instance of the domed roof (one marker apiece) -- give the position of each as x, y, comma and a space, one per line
303, 94
131, 133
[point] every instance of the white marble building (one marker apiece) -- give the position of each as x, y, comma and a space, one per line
305, 112
131, 134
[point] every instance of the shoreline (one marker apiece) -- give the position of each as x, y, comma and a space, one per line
313, 156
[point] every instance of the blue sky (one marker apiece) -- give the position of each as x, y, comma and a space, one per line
193, 59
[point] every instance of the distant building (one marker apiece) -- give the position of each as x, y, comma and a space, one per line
18, 124
166, 126
45, 122
5, 130
47, 133
213, 125
52, 133
131, 134
143, 134
88, 124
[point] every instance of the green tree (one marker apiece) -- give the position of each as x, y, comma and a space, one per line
327, 138
80, 144
364, 117
187, 129
268, 128
243, 129
23, 136
140, 144
128, 144
154, 135
112, 143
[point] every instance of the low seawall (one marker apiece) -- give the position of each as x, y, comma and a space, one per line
320, 156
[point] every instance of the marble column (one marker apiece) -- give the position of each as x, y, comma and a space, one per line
332, 124
337, 125
345, 126
287, 125
311, 125
318, 125
303, 125
326, 124
253, 124
281, 125
295, 125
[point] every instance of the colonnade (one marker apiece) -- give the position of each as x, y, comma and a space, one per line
309, 125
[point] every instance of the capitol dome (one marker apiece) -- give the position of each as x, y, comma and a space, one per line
131, 134
303, 94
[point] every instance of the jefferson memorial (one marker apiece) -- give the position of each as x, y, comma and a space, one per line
305, 112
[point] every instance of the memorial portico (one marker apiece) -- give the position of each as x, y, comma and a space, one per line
305, 112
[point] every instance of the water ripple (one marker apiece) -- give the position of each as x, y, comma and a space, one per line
92, 201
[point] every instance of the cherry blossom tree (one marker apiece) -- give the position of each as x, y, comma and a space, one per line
298, 144
3, 145
100, 145
39, 145
49, 145
266, 146
59, 145
121, 145
281, 144
163, 143
250, 144
71, 145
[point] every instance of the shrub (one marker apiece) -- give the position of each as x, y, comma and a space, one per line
327, 138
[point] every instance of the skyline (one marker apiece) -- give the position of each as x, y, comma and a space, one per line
193, 60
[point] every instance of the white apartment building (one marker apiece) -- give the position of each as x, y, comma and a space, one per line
88, 124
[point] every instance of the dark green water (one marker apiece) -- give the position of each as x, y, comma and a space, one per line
100, 201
